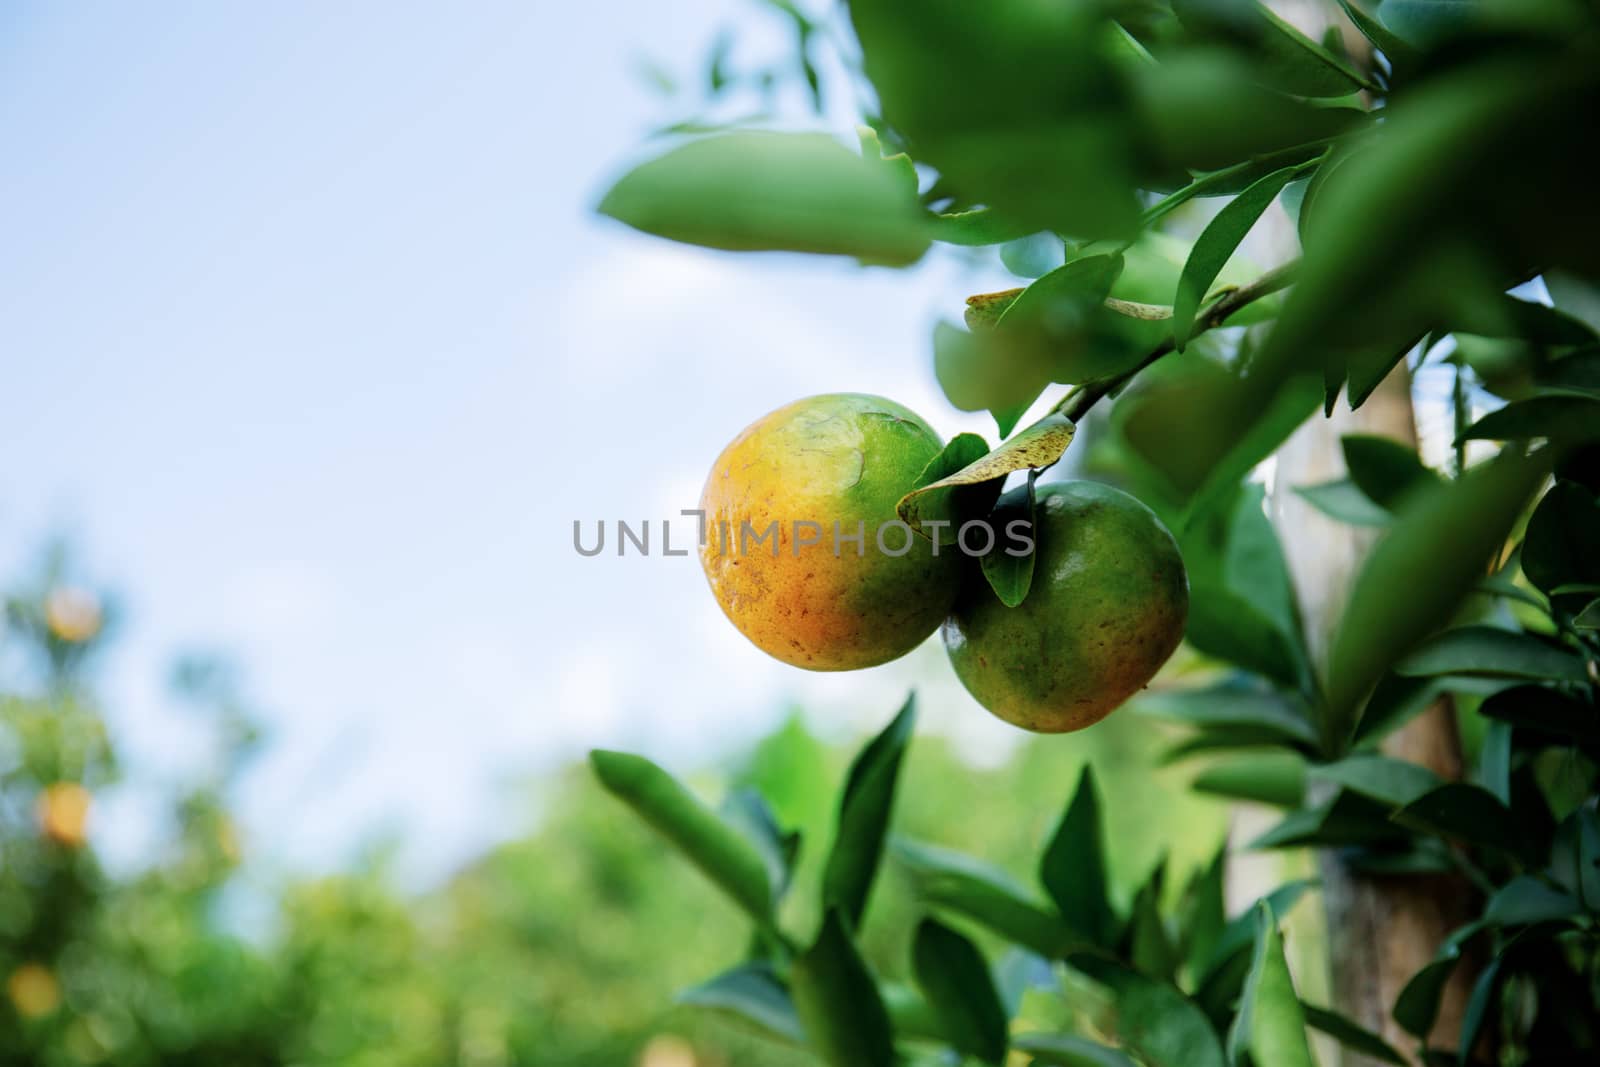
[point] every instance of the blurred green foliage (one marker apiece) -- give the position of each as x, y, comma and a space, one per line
559, 949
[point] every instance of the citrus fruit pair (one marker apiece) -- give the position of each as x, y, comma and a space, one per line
808, 559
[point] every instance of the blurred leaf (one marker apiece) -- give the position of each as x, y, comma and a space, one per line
1286, 58
1479, 1005
749, 811
1562, 418
755, 191
1254, 566
1437, 550
897, 164
1546, 711
1010, 575
1230, 627
956, 980
1204, 109
1352, 1036
1203, 914
1525, 900
1230, 180
1347, 819
1394, 701
753, 994
1037, 446
1073, 867
1484, 651
1343, 501
1575, 862
719, 850
1033, 256
979, 226
1494, 761
1149, 946
1562, 542
1399, 53
988, 896
1218, 242
864, 817
1032, 127
1069, 1050
1263, 713
1159, 1024
1467, 813
1385, 470
1384, 778
1271, 1025
1575, 374
838, 1001
1277, 778
1417, 1006
1239, 934
941, 497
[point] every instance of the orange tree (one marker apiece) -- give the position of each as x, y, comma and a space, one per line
1437, 158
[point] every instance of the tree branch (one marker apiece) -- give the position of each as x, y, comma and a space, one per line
1076, 404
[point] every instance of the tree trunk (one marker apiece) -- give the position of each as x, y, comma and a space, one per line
1381, 931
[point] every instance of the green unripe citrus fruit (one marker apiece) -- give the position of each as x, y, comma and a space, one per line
1105, 609
839, 582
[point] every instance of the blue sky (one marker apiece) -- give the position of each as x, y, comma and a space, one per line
313, 345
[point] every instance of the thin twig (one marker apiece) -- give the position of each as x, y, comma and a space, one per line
1076, 404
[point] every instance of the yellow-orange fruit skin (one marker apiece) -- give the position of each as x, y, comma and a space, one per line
1105, 610
844, 458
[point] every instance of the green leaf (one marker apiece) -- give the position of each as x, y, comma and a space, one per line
1263, 713
1070, 1050
979, 226
1010, 575
1073, 867
1254, 566
1400, 53
1383, 778
1561, 418
1467, 813
1478, 1007
1218, 241
1395, 700
988, 896
1033, 114
838, 1002
1286, 58
1494, 761
1488, 652
757, 191
1159, 1024
937, 498
748, 810
1576, 374
1562, 542
1436, 551
1347, 819
955, 978
1149, 946
1385, 470
1271, 1025
753, 994
1203, 914
1352, 1036
1341, 500
1575, 856
864, 817
1228, 626
1277, 778
1525, 900
1038, 446
1546, 711
1239, 934
719, 850
1033, 256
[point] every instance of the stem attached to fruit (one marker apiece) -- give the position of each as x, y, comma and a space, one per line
1076, 404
